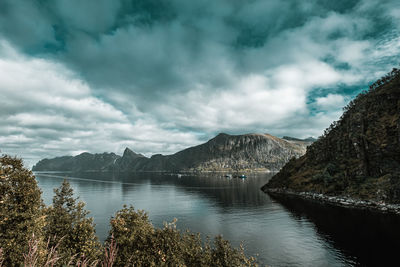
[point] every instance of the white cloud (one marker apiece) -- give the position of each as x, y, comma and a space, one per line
273, 101
48, 111
331, 101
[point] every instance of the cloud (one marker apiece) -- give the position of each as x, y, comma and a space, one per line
331, 101
162, 75
47, 111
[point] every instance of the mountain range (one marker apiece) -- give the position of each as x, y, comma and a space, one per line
230, 153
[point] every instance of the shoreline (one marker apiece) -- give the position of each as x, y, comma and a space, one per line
164, 172
342, 201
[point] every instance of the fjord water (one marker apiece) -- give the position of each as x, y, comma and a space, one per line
283, 232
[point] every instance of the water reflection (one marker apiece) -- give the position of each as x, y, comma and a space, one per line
211, 205
227, 191
365, 238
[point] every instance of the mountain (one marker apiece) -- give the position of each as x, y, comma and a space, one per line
249, 152
129, 161
358, 156
308, 139
261, 152
82, 162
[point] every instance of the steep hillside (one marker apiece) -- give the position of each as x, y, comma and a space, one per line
129, 161
81, 162
358, 156
249, 152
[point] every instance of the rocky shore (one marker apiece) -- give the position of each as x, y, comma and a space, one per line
339, 200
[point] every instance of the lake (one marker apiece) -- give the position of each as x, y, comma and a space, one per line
281, 231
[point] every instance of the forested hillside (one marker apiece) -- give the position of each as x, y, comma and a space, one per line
358, 155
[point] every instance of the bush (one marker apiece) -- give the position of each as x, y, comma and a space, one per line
331, 169
140, 244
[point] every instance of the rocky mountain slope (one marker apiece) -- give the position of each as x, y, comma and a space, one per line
249, 152
129, 161
81, 162
358, 156
261, 152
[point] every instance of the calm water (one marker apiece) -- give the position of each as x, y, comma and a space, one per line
283, 232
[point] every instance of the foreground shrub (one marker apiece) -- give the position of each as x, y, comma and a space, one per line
140, 244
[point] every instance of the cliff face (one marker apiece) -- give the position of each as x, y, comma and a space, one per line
250, 152
359, 155
82, 162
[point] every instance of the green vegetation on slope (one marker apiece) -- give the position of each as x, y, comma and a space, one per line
358, 155
62, 234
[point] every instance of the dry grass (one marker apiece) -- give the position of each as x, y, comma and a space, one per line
32, 257
83, 262
52, 255
1, 257
110, 253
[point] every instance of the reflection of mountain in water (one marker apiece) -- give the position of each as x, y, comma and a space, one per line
372, 239
226, 191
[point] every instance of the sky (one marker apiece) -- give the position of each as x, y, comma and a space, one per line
158, 76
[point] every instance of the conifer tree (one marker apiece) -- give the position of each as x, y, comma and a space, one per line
21, 210
67, 221
132, 232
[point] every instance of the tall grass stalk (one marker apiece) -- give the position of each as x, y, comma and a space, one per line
110, 253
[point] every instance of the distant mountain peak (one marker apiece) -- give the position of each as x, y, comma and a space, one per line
222, 135
129, 153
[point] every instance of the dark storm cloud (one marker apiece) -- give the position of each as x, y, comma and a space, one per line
161, 75
122, 44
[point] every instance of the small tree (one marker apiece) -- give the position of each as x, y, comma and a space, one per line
132, 232
21, 210
73, 231
225, 255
